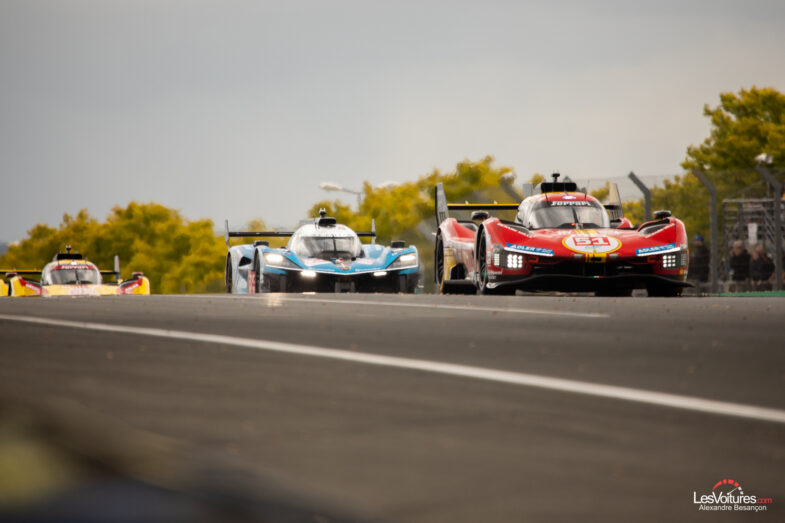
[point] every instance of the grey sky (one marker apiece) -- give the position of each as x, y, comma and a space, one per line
231, 109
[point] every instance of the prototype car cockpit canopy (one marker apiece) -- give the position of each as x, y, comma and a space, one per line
70, 274
326, 242
560, 206
566, 214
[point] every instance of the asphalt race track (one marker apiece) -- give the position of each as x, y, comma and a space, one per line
458, 421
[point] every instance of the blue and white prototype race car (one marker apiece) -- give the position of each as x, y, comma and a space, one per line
322, 256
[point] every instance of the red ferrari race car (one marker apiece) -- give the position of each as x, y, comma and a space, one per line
561, 240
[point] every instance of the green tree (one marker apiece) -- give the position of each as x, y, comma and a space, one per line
177, 255
259, 225
743, 125
44, 241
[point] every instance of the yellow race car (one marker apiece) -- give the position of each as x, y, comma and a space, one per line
70, 274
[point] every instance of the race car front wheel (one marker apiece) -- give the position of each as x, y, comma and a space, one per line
482, 273
438, 264
482, 267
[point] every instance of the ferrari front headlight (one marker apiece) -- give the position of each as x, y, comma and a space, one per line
506, 259
513, 261
674, 260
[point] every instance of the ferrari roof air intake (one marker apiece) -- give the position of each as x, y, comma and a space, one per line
557, 186
68, 255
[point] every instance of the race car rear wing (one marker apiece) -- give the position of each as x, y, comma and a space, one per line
115, 273
8, 273
369, 234
37, 272
615, 211
283, 234
252, 234
443, 208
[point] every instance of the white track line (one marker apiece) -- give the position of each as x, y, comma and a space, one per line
515, 378
282, 298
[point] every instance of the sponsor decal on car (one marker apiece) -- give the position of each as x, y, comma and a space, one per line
728, 495
657, 249
529, 249
581, 203
591, 243
81, 290
73, 267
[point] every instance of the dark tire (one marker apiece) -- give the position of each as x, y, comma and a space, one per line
663, 291
404, 285
482, 274
259, 287
228, 274
481, 265
438, 264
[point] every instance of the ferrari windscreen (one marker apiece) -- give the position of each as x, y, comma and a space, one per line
566, 214
73, 276
327, 247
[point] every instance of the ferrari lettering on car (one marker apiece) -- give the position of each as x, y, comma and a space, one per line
570, 201
321, 256
560, 240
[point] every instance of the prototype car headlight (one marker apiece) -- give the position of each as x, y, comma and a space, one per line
275, 259
404, 261
674, 260
506, 259
513, 261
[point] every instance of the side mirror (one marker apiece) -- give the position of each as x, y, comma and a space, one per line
660, 215
480, 215
397, 244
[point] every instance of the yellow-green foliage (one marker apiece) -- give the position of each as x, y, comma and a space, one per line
398, 210
743, 125
258, 225
177, 255
602, 193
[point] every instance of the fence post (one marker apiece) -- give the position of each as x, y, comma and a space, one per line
715, 237
646, 195
777, 186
